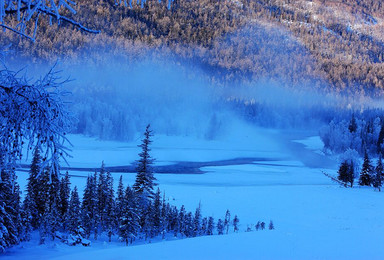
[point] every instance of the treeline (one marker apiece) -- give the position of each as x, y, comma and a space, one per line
346, 50
362, 132
368, 176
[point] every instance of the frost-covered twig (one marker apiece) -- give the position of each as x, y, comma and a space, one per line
28, 11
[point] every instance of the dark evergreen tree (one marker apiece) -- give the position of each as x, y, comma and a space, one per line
220, 227
271, 226
262, 225
89, 206
63, 203
346, 173
9, 210
181, 221
343, 173
204, 226
166, 217
102, 194
110, 222
378, 175
119, 198
74, 214
31, 204
156, 215
145, 181
257, 226
189, 225
50, 222
380, 141
227, 220
210, 226
197, 222
366, 172
236, 224
129, 225
352, 124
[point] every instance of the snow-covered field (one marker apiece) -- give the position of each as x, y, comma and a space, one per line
314, 217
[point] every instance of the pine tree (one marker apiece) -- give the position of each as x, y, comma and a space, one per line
63, 203
366, 172
74, 214
89, 206
145, 181
220, 227
211, 226
262, 225
257, 226
119, 198
352, 124
227, 220
156, 215
166, 217
102, 194
197, 222
204, 226
181, 221
110, 214
271, 226
346, 173
380, 140
9, 210
49, 223
236, 223
378, 175
32, 202
343, 173
129, 225
189, 226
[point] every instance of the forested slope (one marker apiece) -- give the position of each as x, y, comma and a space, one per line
338, 41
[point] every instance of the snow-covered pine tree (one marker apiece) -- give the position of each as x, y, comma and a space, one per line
156, 215
119, 198
227, 220
204, 226
220, 227
197, 222
49, 222
181, 221
378, 175
366, 172
173, 222
89, 206
63, 204
145, 181
30, 201
102, 194
9, 211
26, 222
74, 214
129, 226
166, 217
110, 221
189, 226
210, 226
236, 224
